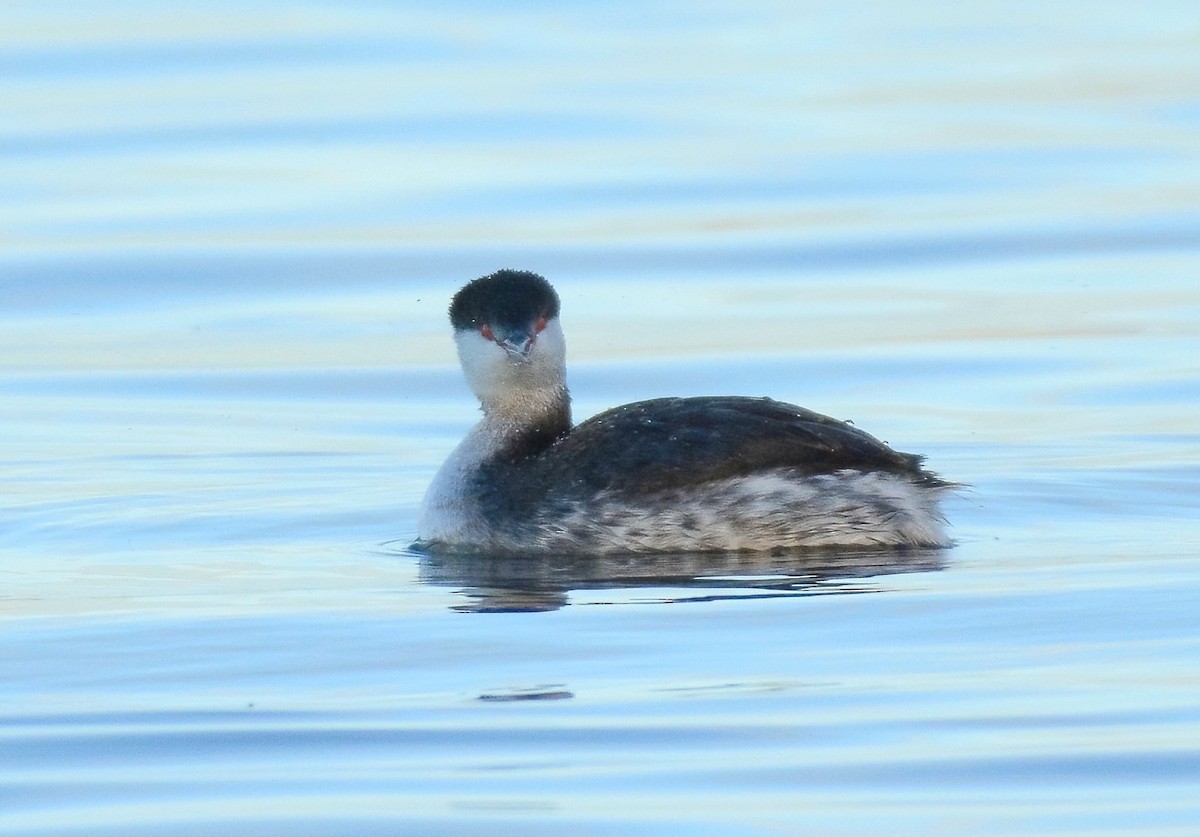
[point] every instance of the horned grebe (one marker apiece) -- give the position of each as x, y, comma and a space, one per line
667, 475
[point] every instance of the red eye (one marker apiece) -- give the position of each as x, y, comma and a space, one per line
485, 331
539, 325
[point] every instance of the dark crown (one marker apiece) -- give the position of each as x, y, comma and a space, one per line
513, 298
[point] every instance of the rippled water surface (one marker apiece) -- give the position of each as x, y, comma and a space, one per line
228, 235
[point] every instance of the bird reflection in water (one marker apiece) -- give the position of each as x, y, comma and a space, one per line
541, 583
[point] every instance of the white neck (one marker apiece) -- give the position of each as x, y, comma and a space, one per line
514, 391
516, 395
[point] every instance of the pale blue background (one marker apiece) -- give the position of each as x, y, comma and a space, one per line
228, 235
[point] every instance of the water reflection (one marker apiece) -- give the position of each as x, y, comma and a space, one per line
521, 585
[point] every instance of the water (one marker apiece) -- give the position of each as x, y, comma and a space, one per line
229, 235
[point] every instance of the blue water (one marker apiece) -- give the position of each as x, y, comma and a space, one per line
228, 236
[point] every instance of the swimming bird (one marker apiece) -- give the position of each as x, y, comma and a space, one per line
724, 473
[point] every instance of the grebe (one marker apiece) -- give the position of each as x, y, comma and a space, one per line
667, 475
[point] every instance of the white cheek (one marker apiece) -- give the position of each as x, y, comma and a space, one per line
551, 343
546, 368
484, 363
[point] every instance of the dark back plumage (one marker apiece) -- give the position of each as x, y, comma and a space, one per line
664, 444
